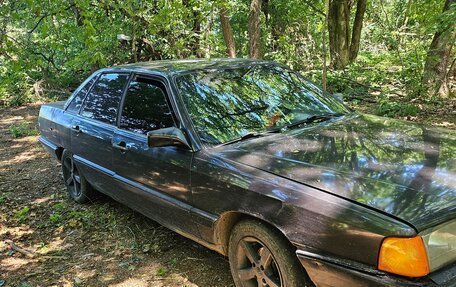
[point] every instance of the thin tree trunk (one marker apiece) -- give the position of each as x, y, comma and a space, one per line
438, 58
254, 29
324, 79
227, 32
406, 14
194, 43
77, 13
339, 36
197, 34
357, 27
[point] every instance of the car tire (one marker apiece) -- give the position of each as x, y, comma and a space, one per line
77, 186
261, 256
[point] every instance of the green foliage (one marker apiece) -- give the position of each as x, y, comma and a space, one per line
387, 107
48, 47
162, 271
22, 129
3, 198
58, 206
22, 214
55, 218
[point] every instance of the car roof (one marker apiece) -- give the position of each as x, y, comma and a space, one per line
182, 66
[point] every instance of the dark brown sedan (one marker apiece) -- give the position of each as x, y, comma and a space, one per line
252, 160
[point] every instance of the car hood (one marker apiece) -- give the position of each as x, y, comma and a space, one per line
400, 168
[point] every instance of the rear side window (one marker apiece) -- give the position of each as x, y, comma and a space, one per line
103, 100
145, 107
76, 102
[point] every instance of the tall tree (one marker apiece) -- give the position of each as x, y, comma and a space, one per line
343, 46
194, 43
357, 27
254, 29
227, 31
435, 76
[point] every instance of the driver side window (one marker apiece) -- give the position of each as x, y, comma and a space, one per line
145, 107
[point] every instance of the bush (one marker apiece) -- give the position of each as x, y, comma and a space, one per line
390, 108
22, 130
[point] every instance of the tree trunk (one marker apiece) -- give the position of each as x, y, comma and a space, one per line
324, 79
339, 33
194, 43
227, 32
357, 26
254, 30
435, 78
196, 49
77, 13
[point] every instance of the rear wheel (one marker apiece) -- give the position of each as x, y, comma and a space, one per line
261, 257
77, 186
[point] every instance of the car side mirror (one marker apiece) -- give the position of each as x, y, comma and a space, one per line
167, 137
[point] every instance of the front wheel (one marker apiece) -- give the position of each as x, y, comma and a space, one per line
261, 257
77, 186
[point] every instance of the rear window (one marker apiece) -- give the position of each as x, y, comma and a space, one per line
76, 102
103, 100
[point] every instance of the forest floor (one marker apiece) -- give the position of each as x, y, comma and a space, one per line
98, 244
59, 243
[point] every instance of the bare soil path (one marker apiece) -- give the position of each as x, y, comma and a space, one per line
47, 240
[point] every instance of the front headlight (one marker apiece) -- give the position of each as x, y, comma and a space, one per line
417, 256
440, 243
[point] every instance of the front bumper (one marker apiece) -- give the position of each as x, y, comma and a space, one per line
325, 273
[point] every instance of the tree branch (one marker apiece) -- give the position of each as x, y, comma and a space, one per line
47, 15
315, 8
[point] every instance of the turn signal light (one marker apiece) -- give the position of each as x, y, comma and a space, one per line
404, 256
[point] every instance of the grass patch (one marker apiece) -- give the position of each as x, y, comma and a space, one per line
55, 218
162, 271
3, 198
390, 108
23, 129
22, 214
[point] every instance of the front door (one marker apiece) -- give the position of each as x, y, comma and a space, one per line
154, 181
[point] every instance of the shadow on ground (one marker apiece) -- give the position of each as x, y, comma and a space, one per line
59, 243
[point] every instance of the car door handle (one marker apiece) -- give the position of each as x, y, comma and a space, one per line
121, 146
76, 129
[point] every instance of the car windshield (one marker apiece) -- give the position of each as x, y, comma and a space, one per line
227, 104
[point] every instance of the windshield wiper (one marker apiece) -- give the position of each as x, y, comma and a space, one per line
312, 119
250, 135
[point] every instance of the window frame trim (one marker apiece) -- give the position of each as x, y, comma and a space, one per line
167, 94
128, 73
94, 77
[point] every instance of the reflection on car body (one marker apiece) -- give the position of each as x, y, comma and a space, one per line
250, 159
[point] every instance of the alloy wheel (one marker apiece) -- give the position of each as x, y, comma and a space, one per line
72, 177
256, 267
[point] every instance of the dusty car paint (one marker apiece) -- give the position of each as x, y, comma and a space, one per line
403, 169
334, 189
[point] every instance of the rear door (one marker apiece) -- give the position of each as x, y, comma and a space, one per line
93, 129
155, 181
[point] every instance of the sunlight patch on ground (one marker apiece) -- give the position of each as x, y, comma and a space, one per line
131, 283
11, 120
18, 231
25, 156
41, 200
14, 263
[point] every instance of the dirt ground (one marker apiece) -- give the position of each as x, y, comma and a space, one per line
60, 243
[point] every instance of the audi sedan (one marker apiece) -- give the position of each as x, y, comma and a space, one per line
250, 159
